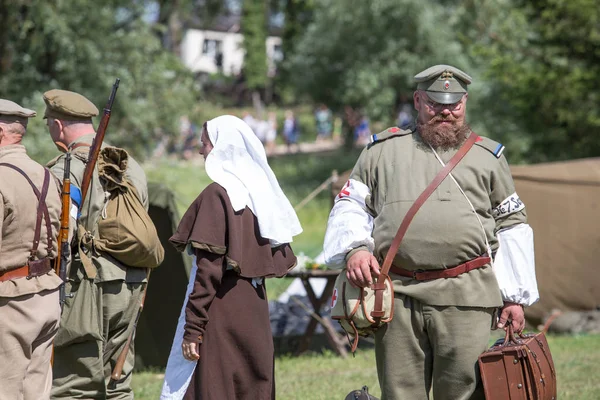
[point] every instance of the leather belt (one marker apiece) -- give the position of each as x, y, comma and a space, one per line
425, 275
35, 268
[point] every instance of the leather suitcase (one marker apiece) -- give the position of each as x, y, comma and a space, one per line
518, 368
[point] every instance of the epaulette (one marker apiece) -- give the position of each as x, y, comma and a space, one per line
490, 145
54, 161
80, 152
389, 133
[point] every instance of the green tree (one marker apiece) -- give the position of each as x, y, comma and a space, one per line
535, 65
543, 57
255, 29
297, 15
364, 54
61, 44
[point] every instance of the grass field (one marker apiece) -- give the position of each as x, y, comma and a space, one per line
329, 377
326, 376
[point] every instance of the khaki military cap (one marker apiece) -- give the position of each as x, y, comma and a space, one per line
10, 108
68, 106
443, 84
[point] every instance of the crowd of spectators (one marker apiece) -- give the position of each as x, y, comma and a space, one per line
328, 127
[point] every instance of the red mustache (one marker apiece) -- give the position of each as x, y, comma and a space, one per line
439, 118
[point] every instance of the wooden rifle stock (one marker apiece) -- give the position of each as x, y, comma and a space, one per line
60, 265
118, 369
97, 143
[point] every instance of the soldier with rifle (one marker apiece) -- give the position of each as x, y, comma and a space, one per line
29, 297
103, 294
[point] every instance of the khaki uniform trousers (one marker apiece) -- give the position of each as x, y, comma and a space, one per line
28, 325
425, 344
95, 326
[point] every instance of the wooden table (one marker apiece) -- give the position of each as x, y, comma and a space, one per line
337, 341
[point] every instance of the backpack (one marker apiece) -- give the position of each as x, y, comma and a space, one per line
125, 231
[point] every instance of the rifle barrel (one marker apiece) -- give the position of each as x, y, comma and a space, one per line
97, 142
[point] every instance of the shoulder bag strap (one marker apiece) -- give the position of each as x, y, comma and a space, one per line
379, 286
389, 258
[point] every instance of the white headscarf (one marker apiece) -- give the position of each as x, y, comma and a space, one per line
238, 163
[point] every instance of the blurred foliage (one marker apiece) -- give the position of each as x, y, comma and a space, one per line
83, 46
364, 54
543, 57
535, 65
297, 15
254, 28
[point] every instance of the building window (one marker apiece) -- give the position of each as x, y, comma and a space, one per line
277, 53
211, 47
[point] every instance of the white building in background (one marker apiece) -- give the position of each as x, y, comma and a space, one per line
202, 50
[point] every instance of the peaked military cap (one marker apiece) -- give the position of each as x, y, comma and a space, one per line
443, 84
10, 108
68, 106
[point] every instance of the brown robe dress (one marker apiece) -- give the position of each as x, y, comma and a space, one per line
225, 313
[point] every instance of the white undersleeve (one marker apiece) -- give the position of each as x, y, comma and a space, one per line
515, 265
349, 225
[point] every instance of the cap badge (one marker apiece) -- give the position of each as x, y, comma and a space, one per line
446, 85
447, 75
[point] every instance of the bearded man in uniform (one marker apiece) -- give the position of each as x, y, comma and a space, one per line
443, 317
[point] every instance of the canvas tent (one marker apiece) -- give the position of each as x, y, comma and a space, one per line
563, 207
166, 289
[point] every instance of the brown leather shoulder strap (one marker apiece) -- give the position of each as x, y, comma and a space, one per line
389, 258
42, 212
42, 208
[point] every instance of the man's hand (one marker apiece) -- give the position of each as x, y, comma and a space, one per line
190, 351
512, 312
360, 267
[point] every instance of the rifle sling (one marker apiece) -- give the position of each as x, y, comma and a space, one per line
84, 242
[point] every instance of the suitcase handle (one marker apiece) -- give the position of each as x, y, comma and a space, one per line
510, 337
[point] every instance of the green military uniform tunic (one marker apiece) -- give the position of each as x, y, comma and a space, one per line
99, 314
445, 232
435, 319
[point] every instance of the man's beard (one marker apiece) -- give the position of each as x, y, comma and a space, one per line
444, 137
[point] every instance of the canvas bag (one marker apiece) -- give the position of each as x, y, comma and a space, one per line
125, 230
361, 311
